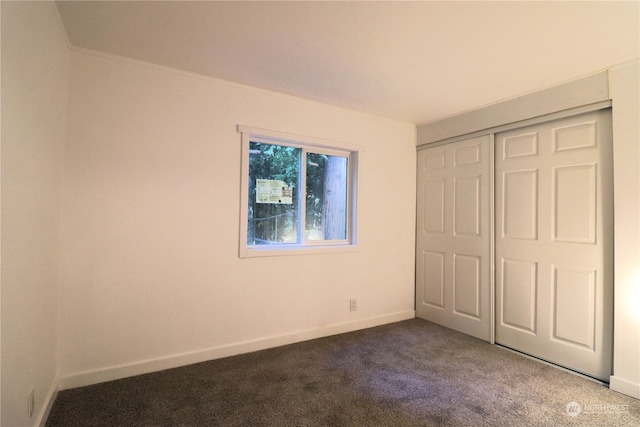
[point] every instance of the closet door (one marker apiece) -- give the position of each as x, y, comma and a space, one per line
453, 264
554, 255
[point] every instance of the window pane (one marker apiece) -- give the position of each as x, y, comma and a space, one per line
326, 201
273, 183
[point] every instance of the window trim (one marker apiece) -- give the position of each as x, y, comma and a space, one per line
353, 152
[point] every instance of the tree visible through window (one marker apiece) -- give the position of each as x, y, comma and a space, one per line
275, 184
326, 197
297, 195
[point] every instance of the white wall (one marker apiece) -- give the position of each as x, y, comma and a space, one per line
151, 273
35, 63
625, 94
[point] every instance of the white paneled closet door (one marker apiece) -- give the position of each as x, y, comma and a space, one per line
453, 253
553, 244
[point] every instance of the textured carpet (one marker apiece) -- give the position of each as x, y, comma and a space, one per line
411, 373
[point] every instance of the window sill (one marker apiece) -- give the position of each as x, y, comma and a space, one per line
276, 250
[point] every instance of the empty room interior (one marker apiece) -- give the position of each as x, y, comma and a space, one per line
201, 182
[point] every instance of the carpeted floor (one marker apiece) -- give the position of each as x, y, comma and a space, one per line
411, 373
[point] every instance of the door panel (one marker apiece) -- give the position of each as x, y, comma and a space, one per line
433, 278
574, 213
466, 285
554, 284
466, 209
453, 258
573, 303
433, 199
520, 204
519, 294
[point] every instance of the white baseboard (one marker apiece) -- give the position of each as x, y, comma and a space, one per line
624, 387
41, 420
81, 379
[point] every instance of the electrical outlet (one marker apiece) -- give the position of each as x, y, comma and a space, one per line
31, 403
353, 304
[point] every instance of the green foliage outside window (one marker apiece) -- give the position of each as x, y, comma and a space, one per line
324, 189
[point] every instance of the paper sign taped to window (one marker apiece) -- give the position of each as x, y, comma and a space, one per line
273, 191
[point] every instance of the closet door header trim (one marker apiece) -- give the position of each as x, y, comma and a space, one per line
586, 91
523, 123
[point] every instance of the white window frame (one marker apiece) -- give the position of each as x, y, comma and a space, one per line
307, 144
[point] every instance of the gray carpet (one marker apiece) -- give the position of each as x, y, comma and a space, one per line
411, 373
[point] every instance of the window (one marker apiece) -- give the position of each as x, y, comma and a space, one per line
298, 194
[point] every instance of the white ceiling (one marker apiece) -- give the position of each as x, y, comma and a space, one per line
412, 61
